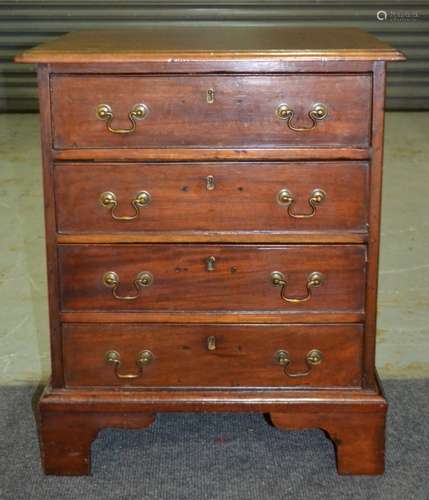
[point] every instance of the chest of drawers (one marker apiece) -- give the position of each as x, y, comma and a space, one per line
212, 201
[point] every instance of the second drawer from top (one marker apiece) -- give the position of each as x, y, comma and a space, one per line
283, 197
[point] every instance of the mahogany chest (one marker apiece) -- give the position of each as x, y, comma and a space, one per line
212, 201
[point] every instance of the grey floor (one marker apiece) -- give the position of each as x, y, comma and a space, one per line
218, 456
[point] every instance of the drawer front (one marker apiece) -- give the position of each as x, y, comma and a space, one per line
212, 278
179, 111
211, 197
212, 355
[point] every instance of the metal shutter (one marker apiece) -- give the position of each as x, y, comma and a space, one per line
23, 24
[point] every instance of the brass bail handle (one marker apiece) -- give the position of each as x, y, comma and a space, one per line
286, 198
138, 112
109, 200
142, 280
314, 280
317, 113
313, 358
144, 358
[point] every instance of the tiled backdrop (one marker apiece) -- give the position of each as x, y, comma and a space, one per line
403, 328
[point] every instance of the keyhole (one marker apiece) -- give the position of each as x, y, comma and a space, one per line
210, 183
211, 263
210, 96
211, 343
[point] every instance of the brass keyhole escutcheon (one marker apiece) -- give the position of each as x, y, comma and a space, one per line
210, 183
210, 96
210, 262
211, 343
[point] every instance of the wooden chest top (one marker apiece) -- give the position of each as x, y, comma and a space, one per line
194, 43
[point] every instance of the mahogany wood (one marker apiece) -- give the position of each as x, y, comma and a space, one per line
280, 153
243, 355
244, 64
246, 399
57, 376
374, 220
207, 43
239, 140
240, 281
217, 237
243, 112
66, 437
207, 317
75, 416
244, 197
358, 438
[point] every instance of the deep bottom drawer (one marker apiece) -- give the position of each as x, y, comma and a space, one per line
212, 355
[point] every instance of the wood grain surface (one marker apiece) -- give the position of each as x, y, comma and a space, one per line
244, 197
166, 43
244, 356
243, 112
240, 281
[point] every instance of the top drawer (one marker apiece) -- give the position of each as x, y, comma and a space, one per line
211, 111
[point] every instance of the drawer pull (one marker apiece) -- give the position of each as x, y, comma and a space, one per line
142, 280
109, 200
144, 358
317, 112
313, 357
105, 113
314, 280
285, 197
